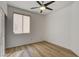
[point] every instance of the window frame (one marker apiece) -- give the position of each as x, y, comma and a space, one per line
22, 20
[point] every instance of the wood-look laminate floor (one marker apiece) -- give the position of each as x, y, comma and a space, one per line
40, 49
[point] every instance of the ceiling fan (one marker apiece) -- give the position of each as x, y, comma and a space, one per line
43, 6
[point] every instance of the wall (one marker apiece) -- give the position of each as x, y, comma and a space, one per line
36, 34
58, 27
3, 11
2, 33
62, 27
74, 29
3, 5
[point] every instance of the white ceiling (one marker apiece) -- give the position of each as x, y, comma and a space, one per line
28, 4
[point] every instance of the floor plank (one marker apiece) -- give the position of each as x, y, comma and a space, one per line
40, 49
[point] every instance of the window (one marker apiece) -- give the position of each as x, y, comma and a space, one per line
21, 23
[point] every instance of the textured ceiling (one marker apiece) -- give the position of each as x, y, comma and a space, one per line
28, 4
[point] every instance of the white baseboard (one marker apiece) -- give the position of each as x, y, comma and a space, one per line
76, 52
25, 43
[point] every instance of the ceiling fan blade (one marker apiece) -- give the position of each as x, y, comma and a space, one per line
41, 11
49, 8
49, 3
39, 3
34, 7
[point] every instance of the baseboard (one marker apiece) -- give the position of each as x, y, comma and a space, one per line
25, 44
75, 52
56, 44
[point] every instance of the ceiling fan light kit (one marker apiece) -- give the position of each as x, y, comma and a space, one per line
43, 6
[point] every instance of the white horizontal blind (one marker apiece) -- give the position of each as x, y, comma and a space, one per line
26, 24
21, 24
17, 23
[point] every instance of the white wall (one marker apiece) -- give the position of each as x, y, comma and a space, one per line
58, 26
62, 27
74, 29
13, 40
